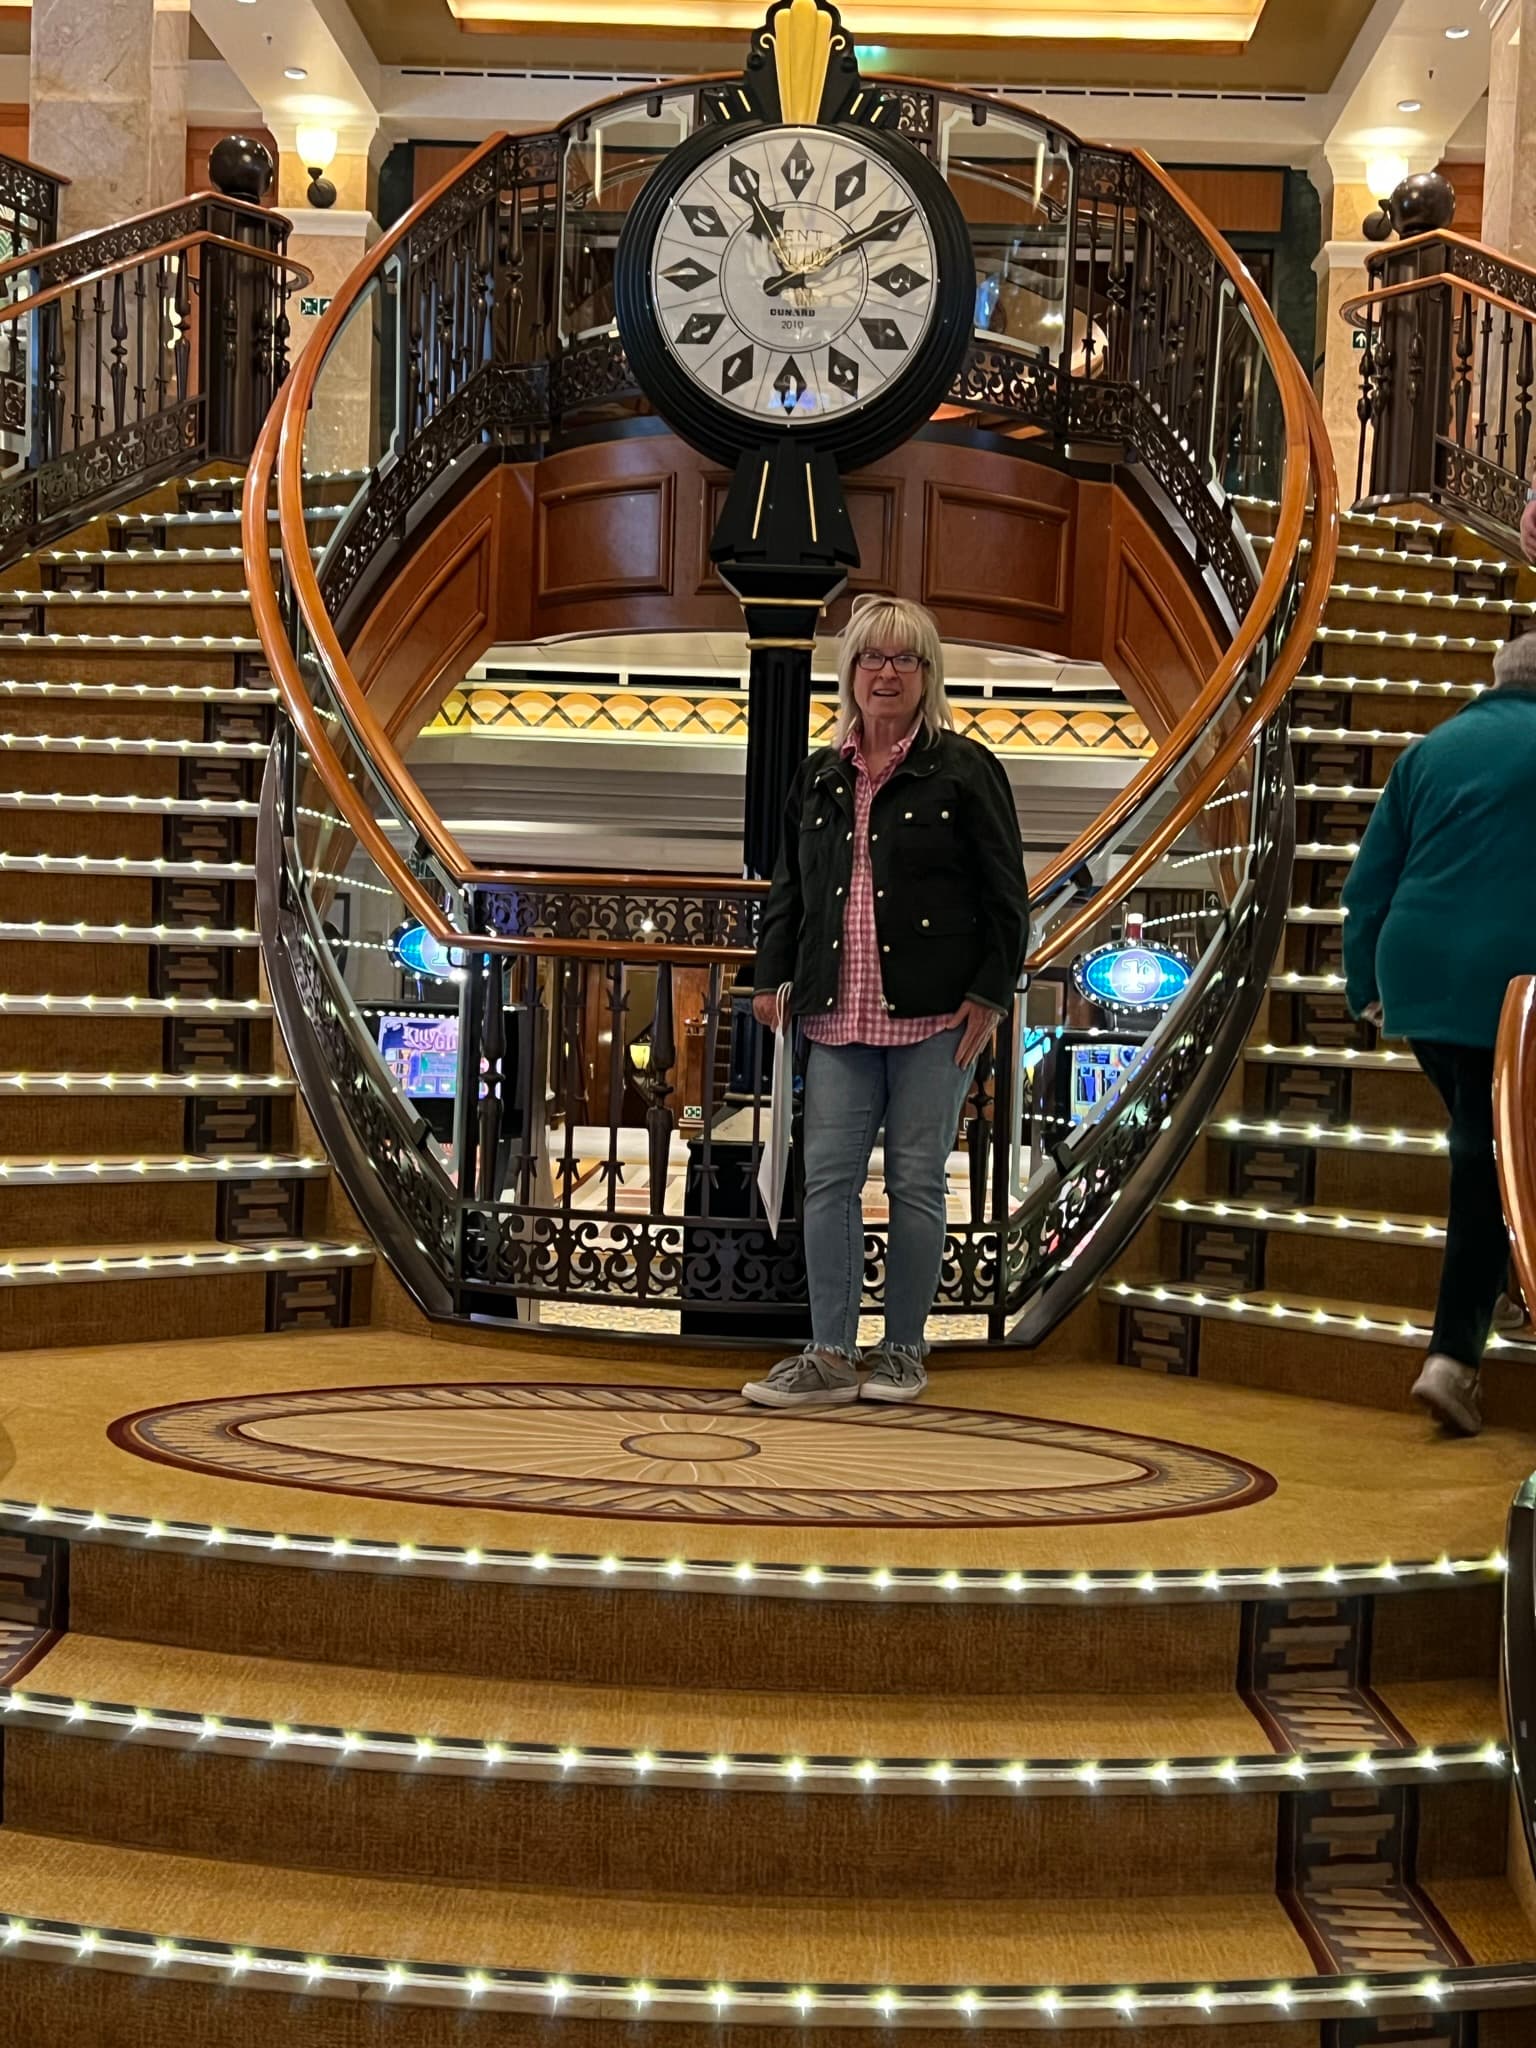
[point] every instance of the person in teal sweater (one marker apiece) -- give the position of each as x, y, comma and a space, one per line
1439, 918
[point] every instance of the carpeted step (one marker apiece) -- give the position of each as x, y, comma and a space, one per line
1238, 1242
1473, 571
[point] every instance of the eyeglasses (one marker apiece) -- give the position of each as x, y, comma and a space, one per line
871, 660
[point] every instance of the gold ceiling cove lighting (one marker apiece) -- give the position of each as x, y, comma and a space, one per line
1205, 22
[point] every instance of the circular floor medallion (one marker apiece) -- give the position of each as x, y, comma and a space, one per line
677, 1454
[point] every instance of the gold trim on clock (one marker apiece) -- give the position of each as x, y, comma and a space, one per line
800, 36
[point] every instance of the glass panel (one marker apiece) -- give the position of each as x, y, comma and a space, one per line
607, 161
1013, 180
353, 422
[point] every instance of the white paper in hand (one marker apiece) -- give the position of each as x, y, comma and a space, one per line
773, 1170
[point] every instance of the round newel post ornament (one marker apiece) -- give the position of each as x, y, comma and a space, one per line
795, 291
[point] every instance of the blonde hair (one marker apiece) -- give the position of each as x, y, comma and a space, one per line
893, 623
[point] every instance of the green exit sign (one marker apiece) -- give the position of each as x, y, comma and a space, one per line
312, 305
1356, 339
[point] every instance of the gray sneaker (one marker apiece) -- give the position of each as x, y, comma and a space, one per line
895, 1373
811, 1379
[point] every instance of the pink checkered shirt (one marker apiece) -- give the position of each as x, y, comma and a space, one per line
861, 1017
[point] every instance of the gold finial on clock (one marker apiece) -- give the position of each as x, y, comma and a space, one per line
802, 35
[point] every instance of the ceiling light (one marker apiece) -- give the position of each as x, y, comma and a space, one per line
1409, 106
1457, 35
294, 71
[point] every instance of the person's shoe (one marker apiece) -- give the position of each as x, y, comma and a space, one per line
1510, 1315
895, 1374
811, 1379
1451, 1393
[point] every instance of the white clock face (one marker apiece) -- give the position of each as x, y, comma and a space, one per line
795, 275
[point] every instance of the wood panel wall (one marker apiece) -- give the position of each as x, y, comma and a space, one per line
613, 537
16, 125
1235, 201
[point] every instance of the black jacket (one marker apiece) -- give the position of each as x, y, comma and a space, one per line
951, 898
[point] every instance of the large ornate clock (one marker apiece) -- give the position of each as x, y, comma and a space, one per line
803, 279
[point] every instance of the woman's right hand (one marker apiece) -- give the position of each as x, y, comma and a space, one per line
765, 1008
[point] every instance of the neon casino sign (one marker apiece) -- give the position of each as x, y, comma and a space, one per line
1134, 976
413, 948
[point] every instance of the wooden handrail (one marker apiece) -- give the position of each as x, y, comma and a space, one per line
1514, 1125
1353, 308
18, 309
1298, 403
27, 259
1308, 462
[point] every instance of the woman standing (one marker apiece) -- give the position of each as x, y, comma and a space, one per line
899, 913
1438, 922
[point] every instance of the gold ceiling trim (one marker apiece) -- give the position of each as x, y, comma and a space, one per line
1204, 22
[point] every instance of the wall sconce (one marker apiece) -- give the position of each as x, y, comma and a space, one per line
1383, 173
317, 149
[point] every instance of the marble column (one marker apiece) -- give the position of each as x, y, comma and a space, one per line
346, 426
1340, 267
1509, 178
109, 104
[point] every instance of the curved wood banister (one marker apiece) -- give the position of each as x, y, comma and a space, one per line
27, 259
20, 309
1354, 310
1303, 426
1514, 1118
1308, 465
297, 399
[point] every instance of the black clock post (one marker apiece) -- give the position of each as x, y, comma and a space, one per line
784, 545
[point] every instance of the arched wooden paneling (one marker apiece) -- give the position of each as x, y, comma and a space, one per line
613, 537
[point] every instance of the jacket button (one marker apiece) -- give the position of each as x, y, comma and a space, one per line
888, 1003
885, 949
835, 944
943, 814
850, 835
907, 815
925, 924
879, 892
830, 1001
839, 888
873, 837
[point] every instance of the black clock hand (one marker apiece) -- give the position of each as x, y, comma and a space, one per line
764, 221
774, 285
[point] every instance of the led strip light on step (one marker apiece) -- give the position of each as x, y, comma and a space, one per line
1512, 607
1331, 1136
1304, 1222
880, 1584
115, 743
193, 1083
128, 934
1380, 637
161, 806
188, 1166
1390, 685
22, 1270
1187, 1297
144, 693
593, 1996
133, 1006
120, 864
136, 596
142, 643
1330, 1056
548, 1762
1355, 735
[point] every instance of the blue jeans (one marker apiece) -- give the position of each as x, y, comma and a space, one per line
917, 1092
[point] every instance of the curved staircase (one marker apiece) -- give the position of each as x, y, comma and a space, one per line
423, 1682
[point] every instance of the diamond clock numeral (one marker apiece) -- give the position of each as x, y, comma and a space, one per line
798, 169
699, 328
883, 334
887, 225
842, 373
900, 279
790, 385
743, 180
704, 220
851, 184
736, 369
689, 274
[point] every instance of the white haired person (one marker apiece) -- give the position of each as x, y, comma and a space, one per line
899, 915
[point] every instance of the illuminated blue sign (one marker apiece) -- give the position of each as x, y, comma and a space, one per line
1138, 977
413, 947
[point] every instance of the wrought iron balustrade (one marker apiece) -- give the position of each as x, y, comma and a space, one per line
609, 1080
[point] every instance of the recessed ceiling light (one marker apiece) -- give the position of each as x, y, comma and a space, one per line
1457, 35
294, 71
1403, 106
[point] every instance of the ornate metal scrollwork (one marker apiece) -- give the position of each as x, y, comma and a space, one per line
1496, 495
1004, 379
590, 371
623, 914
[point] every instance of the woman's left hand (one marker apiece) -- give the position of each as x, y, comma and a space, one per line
976, 1024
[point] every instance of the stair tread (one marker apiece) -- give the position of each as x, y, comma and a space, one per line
1387, 686
186, 595
24, 1260
59, 1168
170, 806
1375, 593
1084, 1727
156, 869
762, 1940
1382, 1059
140, 693
1378, 1320
202, 1081
1387, 1225
119, 743
84, 933
1294, 1131
1351, 735
47, 1005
